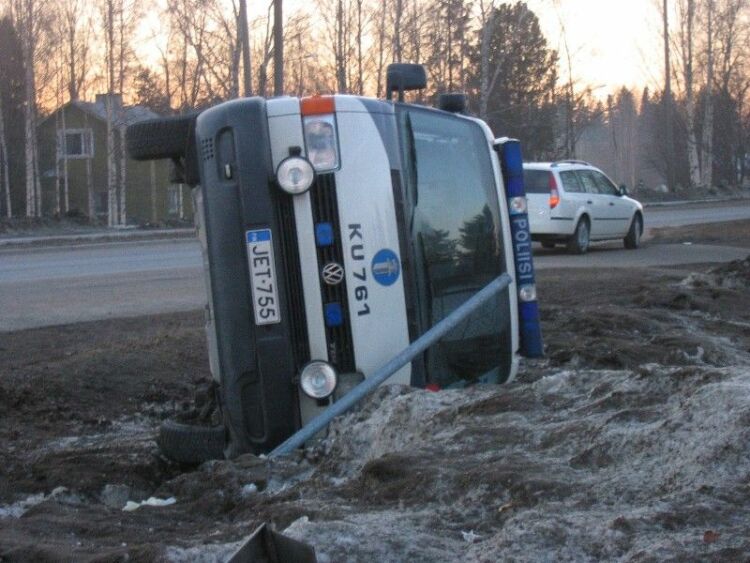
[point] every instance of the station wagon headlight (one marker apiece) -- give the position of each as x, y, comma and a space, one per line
321, 142
318, 379
295, 175
527, 293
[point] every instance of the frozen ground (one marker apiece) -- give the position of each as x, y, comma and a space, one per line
629, 442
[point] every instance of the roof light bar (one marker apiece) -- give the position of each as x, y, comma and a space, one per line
317, 105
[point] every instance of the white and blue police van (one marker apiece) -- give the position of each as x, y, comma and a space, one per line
338, 229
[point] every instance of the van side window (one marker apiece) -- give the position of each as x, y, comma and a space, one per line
570, 182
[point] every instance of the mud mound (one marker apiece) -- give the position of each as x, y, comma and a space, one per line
734, 275
607, 464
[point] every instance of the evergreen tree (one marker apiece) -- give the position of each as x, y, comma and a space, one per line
521, 103
149, 91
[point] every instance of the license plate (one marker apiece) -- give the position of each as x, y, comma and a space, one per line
263, 277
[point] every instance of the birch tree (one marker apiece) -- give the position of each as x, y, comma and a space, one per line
708, 116
487, 78
447, 27
381, 42
4, 164
686, 14
28, 17
120, 18
75, 27
12, 78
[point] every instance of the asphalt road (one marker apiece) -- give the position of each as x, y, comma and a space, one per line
60, 285
691, 214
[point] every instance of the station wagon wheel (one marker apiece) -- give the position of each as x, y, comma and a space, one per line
633, 239
579, 242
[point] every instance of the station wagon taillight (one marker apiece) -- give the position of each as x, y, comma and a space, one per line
554, 195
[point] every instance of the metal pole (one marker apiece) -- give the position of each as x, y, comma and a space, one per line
245, 46
278, 49
392, 366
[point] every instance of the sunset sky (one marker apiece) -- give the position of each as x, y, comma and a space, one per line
612, 42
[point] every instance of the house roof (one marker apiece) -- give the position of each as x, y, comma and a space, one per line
128, 116
98, 110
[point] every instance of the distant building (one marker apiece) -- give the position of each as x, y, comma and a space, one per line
74, 136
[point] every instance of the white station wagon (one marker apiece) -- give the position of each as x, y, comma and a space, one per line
573, 203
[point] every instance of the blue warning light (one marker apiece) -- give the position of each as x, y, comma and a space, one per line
334, 314
324, 234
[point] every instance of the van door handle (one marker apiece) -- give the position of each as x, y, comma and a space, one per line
589, 202
611, 204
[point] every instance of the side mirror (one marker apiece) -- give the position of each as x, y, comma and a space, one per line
403, 77
623, 190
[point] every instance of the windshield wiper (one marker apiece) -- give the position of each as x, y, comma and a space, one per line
426, 284
412, 146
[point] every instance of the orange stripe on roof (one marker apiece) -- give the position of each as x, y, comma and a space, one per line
317, 105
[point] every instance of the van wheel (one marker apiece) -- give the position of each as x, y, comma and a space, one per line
165, 137
633, 239
548, 244
191, 444
579, 242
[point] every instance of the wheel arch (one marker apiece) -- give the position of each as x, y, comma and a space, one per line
639, 213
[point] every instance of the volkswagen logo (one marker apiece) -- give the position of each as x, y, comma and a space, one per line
333, 273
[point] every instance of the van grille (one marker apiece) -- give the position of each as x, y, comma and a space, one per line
289, 248
325, 210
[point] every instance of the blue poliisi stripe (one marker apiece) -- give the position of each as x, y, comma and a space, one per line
514, 186
522, 250
512, 159
531, 331
532, 345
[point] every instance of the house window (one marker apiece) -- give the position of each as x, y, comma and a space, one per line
174, 200
76, 143
101, 203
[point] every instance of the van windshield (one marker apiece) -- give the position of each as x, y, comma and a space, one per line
455, 232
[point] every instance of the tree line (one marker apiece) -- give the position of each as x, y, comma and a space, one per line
692, 132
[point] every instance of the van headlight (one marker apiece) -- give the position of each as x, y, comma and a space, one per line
318, 379
321, 142
295, 175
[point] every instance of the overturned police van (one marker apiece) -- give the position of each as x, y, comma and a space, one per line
338, 229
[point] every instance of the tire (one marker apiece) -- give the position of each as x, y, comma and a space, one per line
190, 444
548, 244
165, 137
579, 242
633, 239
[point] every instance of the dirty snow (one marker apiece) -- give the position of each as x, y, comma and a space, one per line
628, 443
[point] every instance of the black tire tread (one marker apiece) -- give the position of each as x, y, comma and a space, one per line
631, 241
191, 444
572, 245
154, 139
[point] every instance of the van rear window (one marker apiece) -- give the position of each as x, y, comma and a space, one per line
536, 181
